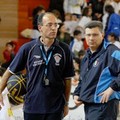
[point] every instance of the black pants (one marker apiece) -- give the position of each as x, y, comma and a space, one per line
51, 116
107, 111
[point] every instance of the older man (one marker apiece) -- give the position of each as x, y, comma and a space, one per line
49, 68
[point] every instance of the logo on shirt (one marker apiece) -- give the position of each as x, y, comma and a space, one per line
96, 63
57, 58
37, 62
37, 56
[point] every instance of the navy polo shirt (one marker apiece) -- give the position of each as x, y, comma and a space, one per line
39, 98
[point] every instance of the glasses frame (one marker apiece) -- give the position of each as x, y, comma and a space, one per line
50, 25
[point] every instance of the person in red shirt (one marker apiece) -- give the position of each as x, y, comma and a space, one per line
8, 54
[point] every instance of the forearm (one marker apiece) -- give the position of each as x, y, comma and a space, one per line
115, 84
67, 89
4, 80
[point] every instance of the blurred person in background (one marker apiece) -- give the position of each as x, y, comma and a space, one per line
8, 54
97, 9
113, 22
57, 14
36, 12
116, 5
74, 6
34, 32
114, 39
63, 35
76, 44
86, 16
57, 5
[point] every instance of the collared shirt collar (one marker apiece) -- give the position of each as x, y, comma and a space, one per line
56, 42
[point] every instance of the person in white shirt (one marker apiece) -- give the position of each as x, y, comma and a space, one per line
116, 5
76, 44
74, 6
114, 39
86, 16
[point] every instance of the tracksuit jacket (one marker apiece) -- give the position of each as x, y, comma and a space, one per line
99, 71
113, 25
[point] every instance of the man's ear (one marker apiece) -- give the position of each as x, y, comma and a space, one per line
39, 27
103, 34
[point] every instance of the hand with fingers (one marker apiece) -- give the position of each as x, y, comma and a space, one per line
105, 95
77, 101
66, 110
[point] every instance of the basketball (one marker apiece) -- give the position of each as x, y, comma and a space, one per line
15, 100
16, 85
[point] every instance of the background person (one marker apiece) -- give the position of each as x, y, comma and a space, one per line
76, 44
113, 22
8, 54
114, 39
63, 35
36, 12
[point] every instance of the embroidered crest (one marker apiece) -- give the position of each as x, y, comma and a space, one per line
57, 58
96, 63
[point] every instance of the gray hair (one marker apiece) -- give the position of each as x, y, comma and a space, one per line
94, 24
40, 18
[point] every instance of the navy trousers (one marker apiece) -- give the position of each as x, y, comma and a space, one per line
106, 111
50, 116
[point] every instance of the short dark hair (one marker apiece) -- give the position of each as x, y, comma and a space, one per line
10, 43
94, 24
36, 10
81, 53
109, 9
85, 11
76, 32
114, 35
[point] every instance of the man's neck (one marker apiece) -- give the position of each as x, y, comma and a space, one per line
92, 50
47, 42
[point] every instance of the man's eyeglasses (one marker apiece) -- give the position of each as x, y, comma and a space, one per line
50, 25
89, 35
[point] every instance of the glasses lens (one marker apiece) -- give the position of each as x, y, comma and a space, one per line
49, 25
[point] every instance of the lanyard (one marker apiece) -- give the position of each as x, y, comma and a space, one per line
47, 59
